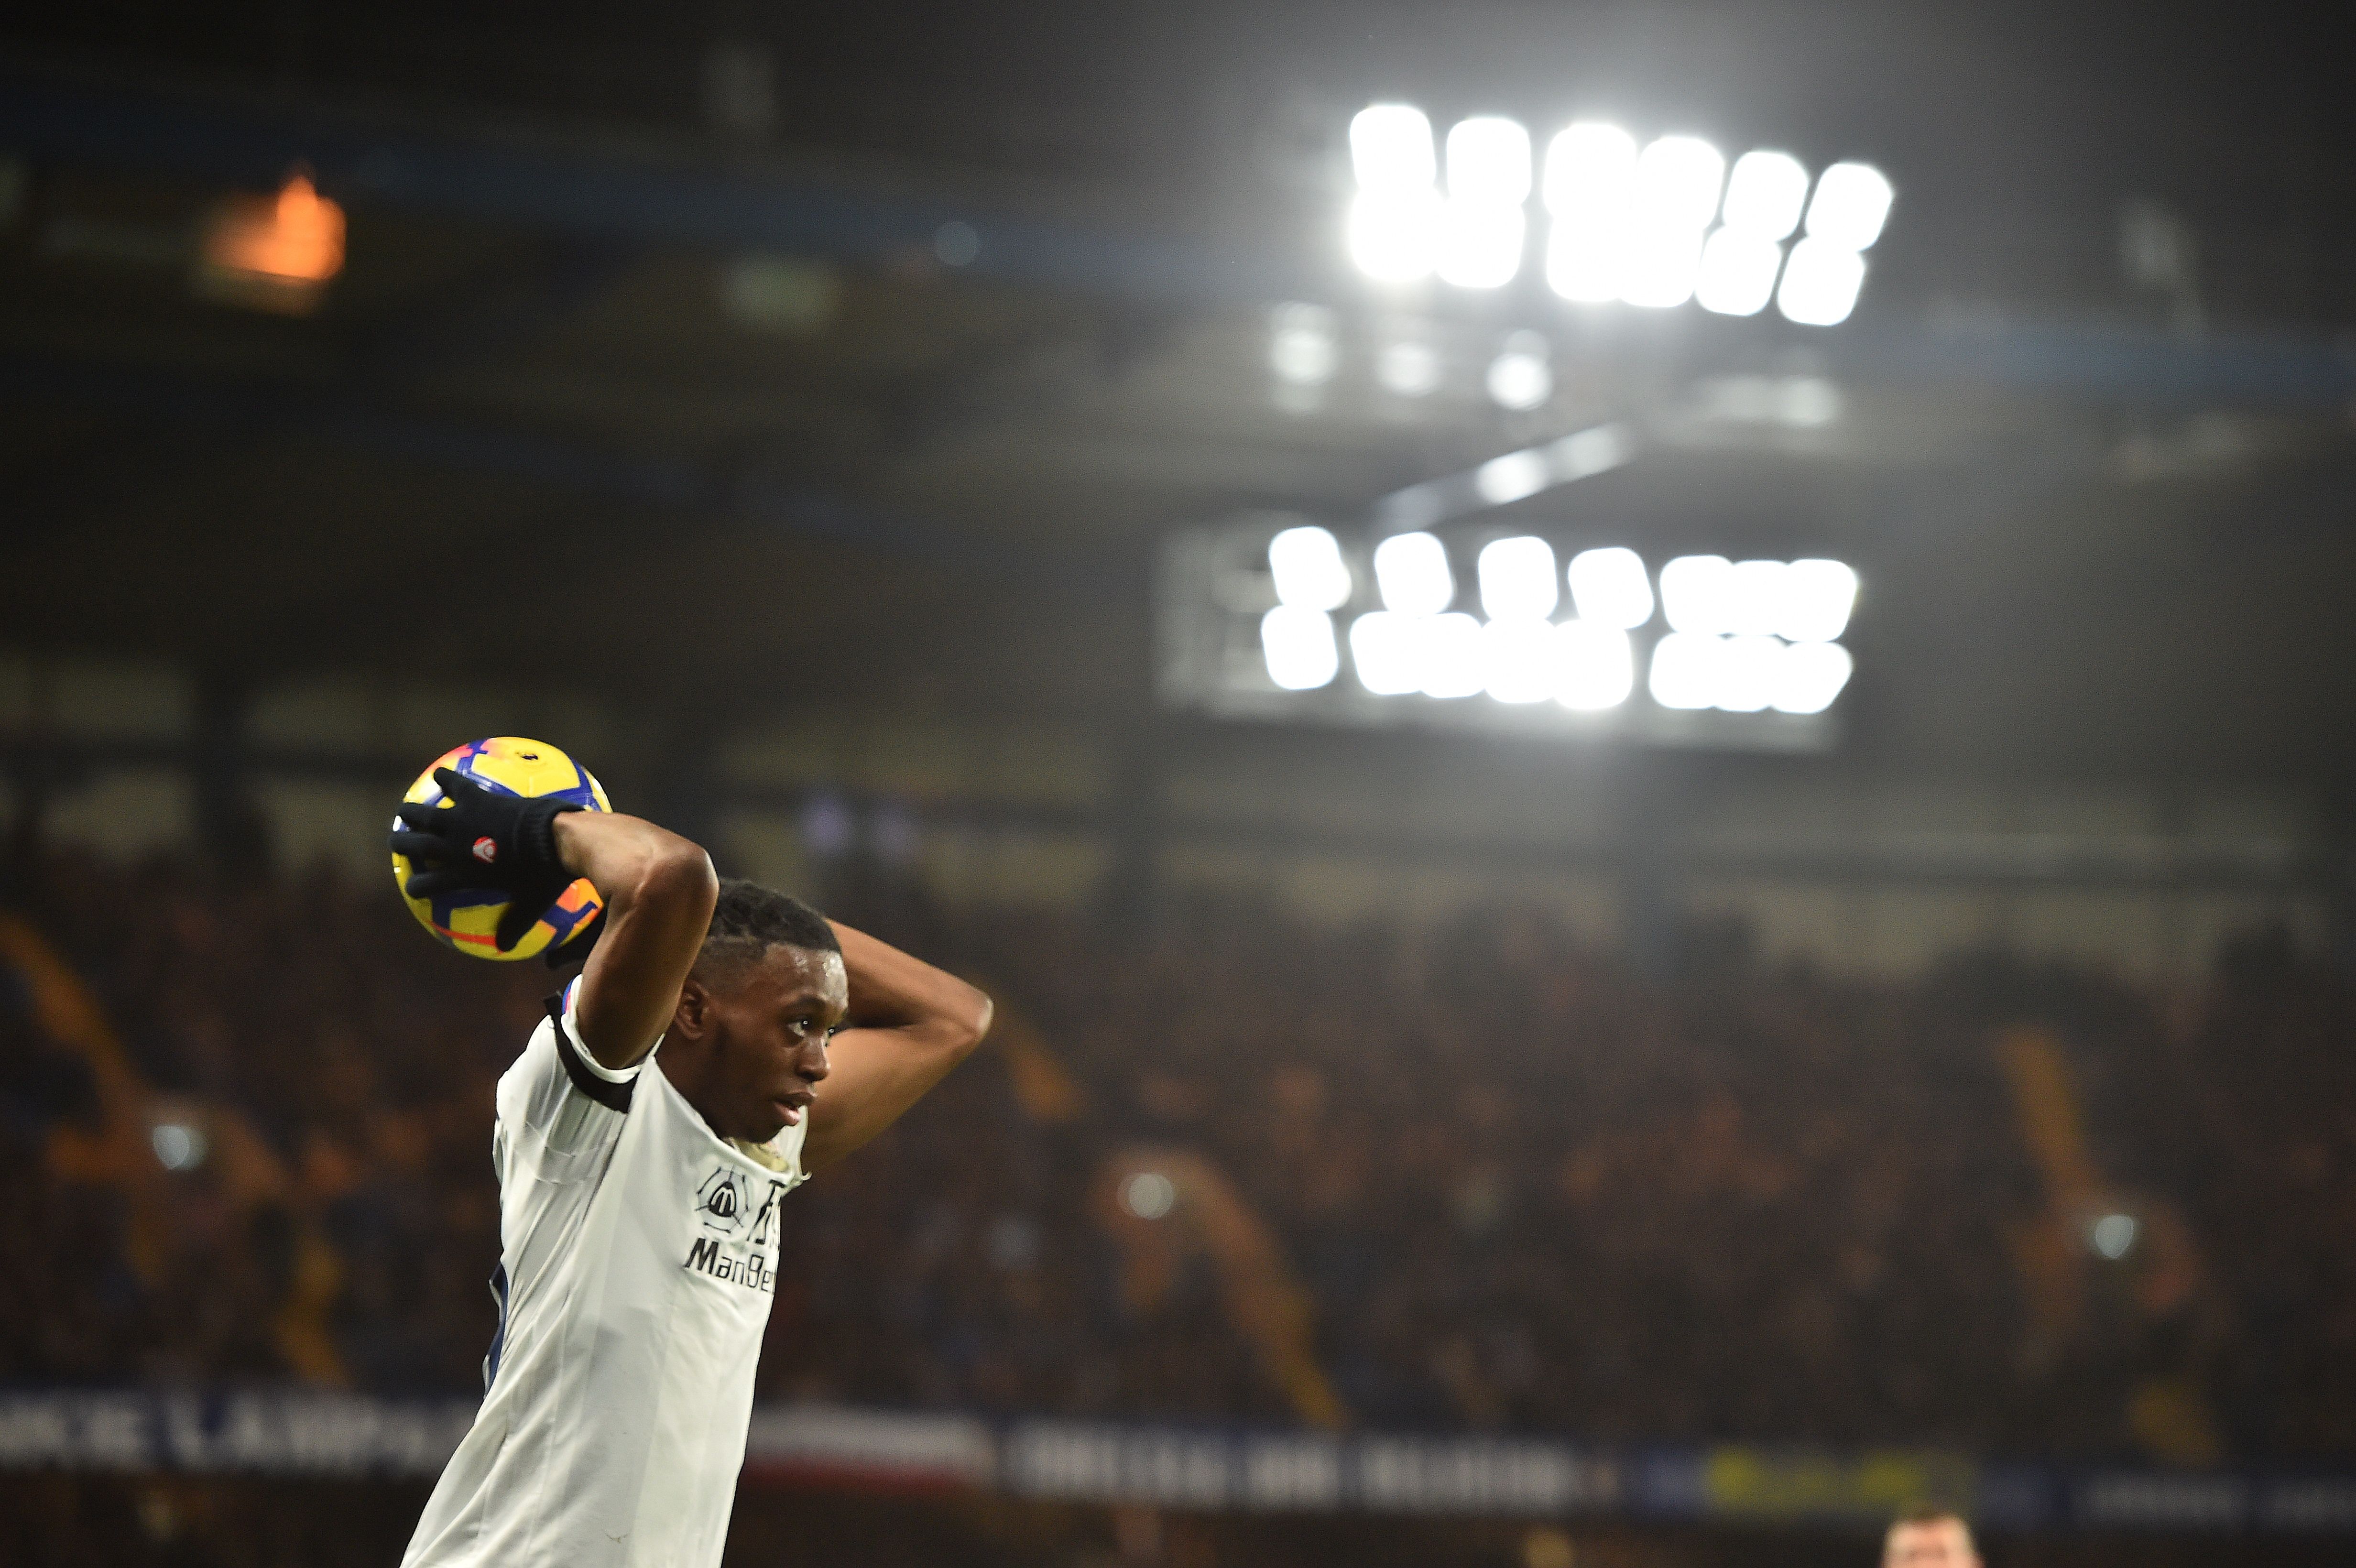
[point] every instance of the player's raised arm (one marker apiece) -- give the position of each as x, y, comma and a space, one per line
659, 890
656, 887
909, 1024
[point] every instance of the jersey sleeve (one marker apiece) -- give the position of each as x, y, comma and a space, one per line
610, 1087
560, 1099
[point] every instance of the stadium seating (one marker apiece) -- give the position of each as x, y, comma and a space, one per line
1498, 1180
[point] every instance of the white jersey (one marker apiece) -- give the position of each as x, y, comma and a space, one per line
637, 1260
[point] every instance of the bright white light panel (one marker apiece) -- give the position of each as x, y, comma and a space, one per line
1744, 636
1651, 225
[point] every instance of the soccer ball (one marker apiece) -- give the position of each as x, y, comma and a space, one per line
467, 919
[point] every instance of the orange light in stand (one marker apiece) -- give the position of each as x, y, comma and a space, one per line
274, 252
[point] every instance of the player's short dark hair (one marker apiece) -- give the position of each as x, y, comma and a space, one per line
748, 919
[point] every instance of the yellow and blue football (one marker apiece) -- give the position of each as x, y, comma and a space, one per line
467, 918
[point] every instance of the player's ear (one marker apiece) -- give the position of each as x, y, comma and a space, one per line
692, 1017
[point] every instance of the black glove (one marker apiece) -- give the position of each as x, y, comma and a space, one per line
486, 838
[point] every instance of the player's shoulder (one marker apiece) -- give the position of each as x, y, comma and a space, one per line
554, 1069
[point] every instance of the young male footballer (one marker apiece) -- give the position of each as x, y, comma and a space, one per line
723, 1042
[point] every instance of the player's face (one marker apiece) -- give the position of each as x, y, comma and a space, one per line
768, 1041
1942, 1544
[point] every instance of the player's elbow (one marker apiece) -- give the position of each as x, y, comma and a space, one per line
678, 875
969, 1019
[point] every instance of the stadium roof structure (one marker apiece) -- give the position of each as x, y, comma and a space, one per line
601, 395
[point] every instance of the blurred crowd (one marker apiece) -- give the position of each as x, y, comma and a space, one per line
1477, 1176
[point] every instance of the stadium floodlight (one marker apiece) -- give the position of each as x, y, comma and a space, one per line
1765, 195
1514, 477
1407, 369
1519, 661
1453, 665
1300, 349
1659, 268
1533, 629
1297, 645
1309, 570
1677, 184
1595, 667
1591, 173
1748, 670
1390, 148
1684, 669
1517, 579
1696, 593
1411, 572
1756, 597
1394, 236
1809, 676
1738, 273
1479, 243
1817, 598
1489, 160
1590, 168
1395, 221
1520, 377
1852, 203
1624, 222
1826, 269
1387, 649
1820, 284
1583, 265
1674, 196
1609, 587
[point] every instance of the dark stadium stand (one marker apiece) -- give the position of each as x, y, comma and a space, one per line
1524, 1190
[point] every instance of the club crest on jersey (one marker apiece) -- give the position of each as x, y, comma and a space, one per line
724, 1204
720, 1203
765, 1223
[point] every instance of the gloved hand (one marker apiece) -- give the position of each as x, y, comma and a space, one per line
486, 838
